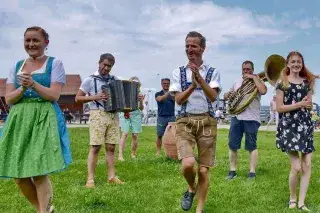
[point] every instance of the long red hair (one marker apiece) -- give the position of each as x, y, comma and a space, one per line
304, 73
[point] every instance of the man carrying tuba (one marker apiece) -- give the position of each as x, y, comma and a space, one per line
247, 121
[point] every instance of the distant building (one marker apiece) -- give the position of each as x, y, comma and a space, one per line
68, 94
67, 97
264, 114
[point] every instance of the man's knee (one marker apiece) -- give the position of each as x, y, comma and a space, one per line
188, 163
233, 152
234, 140
95, 148
253, 150
251, 142
110, 147
234, 144
251, 146
203, 171
135, 136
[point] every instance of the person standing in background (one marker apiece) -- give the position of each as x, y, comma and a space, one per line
166, 104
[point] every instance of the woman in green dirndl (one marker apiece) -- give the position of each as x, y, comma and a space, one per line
34, 141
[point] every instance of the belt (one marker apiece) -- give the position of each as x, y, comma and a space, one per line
201, 114
194, 115
102, 110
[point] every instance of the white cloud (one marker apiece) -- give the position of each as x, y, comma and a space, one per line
146, 37
303, 24
316, 22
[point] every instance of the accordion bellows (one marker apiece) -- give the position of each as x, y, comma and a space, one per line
123, 96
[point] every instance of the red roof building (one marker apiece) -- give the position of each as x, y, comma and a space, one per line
67, 97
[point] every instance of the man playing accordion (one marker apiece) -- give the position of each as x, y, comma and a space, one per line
104, 126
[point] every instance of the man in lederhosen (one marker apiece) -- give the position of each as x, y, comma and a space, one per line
196, 86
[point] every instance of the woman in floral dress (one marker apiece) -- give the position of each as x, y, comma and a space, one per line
295, 129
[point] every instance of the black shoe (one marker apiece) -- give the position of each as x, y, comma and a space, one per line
252, 175
231, 175
187, 199
303, 208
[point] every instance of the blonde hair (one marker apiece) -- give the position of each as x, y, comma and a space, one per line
304, 73
136, 79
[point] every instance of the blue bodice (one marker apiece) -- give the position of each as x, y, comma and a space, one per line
43, 78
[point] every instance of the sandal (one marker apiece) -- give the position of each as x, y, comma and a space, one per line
90, 183
303, 208
115, 180
50, 208
292, 204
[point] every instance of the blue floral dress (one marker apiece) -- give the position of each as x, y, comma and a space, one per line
295, 128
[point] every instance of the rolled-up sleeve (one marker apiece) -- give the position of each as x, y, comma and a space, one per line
215, 80
175, 85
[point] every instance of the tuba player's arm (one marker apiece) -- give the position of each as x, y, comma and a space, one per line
258, 82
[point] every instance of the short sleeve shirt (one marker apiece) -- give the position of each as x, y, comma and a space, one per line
88, 87
166, 107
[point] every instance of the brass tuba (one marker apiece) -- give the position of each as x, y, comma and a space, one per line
242, 97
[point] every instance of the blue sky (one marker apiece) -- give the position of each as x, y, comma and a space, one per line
147, 37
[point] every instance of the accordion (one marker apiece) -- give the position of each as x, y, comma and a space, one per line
123, 96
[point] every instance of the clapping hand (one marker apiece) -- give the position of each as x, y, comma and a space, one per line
195, 74
25, 80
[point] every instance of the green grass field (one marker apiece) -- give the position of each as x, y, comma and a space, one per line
155, 184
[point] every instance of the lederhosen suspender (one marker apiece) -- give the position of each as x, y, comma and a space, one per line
184, 86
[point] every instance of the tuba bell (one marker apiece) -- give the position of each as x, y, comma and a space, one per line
242, 97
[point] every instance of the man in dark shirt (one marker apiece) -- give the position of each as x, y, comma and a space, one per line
166, 105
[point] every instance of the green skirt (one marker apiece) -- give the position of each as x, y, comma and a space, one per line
30, 143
